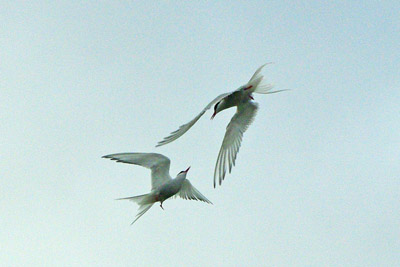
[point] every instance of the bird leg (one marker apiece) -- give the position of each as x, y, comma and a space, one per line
161, 205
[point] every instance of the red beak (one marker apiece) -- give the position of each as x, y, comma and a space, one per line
187, 169
213, 115
247, 88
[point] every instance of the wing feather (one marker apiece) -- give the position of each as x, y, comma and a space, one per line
239, 123
188, 191
185, 127
157, 163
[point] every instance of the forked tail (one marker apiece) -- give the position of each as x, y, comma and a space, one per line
145, 202
258, 85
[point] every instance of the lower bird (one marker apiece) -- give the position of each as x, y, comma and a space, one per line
162, 185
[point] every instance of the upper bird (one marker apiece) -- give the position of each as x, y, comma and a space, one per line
162, 185
246, 110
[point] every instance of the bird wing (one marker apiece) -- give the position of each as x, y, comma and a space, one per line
157, 163
239, 123
188, 191
185, 127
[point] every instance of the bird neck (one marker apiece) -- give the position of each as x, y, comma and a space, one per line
232, 100
180, 178
224, 104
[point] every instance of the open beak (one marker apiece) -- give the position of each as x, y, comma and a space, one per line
187, 169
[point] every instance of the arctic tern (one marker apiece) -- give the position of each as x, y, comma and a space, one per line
162, 185
246, 109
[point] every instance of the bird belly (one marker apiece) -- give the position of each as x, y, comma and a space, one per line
167, 192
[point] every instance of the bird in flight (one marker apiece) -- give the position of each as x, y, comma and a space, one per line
246, 109
162, 185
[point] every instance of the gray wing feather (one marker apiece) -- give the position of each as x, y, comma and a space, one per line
188, 191
157, 163
239, 123
185, 127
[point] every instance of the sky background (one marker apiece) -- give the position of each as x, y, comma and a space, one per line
316, 181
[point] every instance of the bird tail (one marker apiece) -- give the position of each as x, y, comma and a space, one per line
145, 202
257, 84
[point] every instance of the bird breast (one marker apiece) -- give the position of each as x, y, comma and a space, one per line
171, 188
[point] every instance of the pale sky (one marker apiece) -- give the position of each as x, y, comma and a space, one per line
316, 181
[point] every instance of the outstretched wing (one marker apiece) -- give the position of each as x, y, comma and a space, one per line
239, 123
157, 163
188, 191
185, 127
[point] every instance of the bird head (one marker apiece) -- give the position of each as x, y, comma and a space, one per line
217, 108
184, 173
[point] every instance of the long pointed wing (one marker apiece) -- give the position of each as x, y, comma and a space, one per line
157, 163
239, 123
185, 127
188, 191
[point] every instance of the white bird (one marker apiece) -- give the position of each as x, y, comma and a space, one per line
162, 185
246, 110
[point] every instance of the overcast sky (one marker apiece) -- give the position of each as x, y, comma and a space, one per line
316, 181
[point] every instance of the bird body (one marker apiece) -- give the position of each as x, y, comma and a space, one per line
231, 100
163, 186
242, 99
170, 188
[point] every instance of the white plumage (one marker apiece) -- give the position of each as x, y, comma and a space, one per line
246, 110
162, 185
